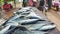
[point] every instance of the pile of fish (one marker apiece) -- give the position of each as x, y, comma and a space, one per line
26, 21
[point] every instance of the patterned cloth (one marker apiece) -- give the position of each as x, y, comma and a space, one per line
6, 7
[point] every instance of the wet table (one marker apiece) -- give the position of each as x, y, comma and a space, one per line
54, 31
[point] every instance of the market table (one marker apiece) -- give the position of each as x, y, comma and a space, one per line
54, 31
38, 13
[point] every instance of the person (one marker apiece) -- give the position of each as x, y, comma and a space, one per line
53, 1
49, 4
7, 7
25, 3
46, 9
30, 3
21, 3
56, 4
41, 5
11, 7
35, 3
0, 6
59, 5
0, 9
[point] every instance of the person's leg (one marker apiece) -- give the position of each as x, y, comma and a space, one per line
0, 9
57, 8
42, 9
24, 4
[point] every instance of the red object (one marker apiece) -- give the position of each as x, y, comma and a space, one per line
46, 0
35, 3
56, 4
30, 2
6, 7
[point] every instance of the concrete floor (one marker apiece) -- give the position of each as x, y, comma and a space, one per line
54, 17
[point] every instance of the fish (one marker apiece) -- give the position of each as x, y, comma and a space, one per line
33, 16
15, 17
12, 24
25, 21
26, 8
29, 32
36, 26
2, 21
29, 21
5, 29
47, 27
12, 28
38, 32
42, 27
25, 13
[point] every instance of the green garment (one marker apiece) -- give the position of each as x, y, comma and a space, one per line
25, 0
1, 2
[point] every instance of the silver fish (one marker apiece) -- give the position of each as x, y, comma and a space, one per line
5, 29
32, 14
42, 27
2, 21
47, 27
25, 21
29, 20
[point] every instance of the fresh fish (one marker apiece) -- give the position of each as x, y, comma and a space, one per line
29, 32
12, 28
29, 21
2, 21
33, 15
47, 27
5, 29
13, 24
36, 26
25, 21
27, 8
21, 10
23, 30
21, 21
15, 17
18, 13
42, 27
24, 10
25, 13
38, 32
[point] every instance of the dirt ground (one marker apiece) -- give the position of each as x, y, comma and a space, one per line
54, 17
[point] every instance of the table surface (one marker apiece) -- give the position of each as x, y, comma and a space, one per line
54, 31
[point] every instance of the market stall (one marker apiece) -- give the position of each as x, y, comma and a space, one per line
28, 20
